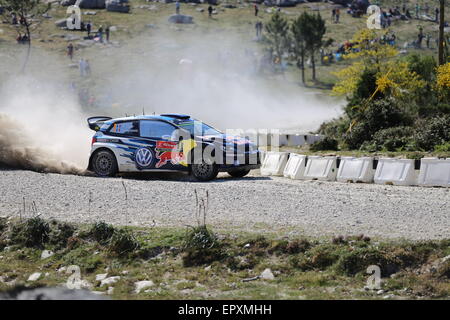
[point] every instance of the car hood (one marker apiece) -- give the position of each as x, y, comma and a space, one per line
224, 138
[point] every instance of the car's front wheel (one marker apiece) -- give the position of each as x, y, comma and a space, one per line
204, 171
104, 164
238, 173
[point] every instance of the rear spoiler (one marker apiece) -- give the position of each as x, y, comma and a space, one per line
94, 123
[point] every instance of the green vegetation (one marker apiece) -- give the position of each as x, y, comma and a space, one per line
198, 263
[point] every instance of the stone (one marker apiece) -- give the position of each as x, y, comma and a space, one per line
101, 276
208, 268
110, 290
34, 277
200, 9
110, 280
61, 23
61, 270
117, 6
267, 275
181, 18
141, 285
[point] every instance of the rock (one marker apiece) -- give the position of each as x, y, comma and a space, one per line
61, 23
445, 259
86, 4
141, 285
247, 246
380, 292
101, 276
34, 277
110, 290
267, 275
22, 293
113, 28
181, 18
110, 280
70, 37
208, 268
90, 13
200, 9
61, 270
117, 6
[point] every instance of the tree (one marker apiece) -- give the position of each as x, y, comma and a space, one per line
277, 33
298, 43
441, 32
313, 31
25, 10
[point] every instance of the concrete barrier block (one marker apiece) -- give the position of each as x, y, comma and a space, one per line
321, 168
295, 140
274, 163
295, 167
353, 169
395, 171
434, 172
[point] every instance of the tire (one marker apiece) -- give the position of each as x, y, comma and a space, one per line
238, 173
204, 171
104, 164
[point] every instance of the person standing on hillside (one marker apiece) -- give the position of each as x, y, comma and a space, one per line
210, 10
107, 34
338, 13
256, 10
88, 28
100, 34
70, 51
177, 7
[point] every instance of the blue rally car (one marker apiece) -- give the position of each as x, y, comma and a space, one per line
168, 142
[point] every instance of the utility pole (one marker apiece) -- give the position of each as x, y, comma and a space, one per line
441, 32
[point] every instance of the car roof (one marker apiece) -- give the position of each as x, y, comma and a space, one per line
166, 117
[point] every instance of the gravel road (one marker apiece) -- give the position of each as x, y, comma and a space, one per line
253, 203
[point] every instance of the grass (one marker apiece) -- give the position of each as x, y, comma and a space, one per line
304, 268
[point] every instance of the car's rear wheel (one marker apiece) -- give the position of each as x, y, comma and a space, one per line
238, 173
204, 171
105, 164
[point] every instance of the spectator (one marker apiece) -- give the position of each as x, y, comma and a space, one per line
256, 10
338, 13
89, 28
14, 19
333, 14
70, 51
436, 14
177, 7
417, 10
100, 33
107, 34
210, 10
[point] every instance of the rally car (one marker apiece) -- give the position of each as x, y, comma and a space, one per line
168, 142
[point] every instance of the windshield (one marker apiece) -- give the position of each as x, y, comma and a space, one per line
198, 128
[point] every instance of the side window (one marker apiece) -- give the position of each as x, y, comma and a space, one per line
126, 128
156, 129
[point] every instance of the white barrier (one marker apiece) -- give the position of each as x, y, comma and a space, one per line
274, 163
434, 172
295, 167
395, 171
356, 170
321, 168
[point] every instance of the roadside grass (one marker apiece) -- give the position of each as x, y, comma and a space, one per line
303, 268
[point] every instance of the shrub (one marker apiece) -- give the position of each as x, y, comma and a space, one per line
375, 116
433, 131
123, 242
60, 233
298, 246
102, 232
391, 139
201, 246
325, 144
445, 147
33, 232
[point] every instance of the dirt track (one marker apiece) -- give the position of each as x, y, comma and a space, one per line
252, 203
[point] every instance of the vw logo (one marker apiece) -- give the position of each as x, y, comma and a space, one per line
143, 157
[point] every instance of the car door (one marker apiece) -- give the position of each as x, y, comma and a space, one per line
167, 154
120, 137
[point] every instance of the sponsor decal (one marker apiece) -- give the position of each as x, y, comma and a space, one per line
143, 157
173, 152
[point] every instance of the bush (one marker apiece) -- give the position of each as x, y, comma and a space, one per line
325, 144
102, 232
33, 233
445, 147
201, 247
377, 115
391, 139
60, 233
423, 65
123, 242
432, 132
